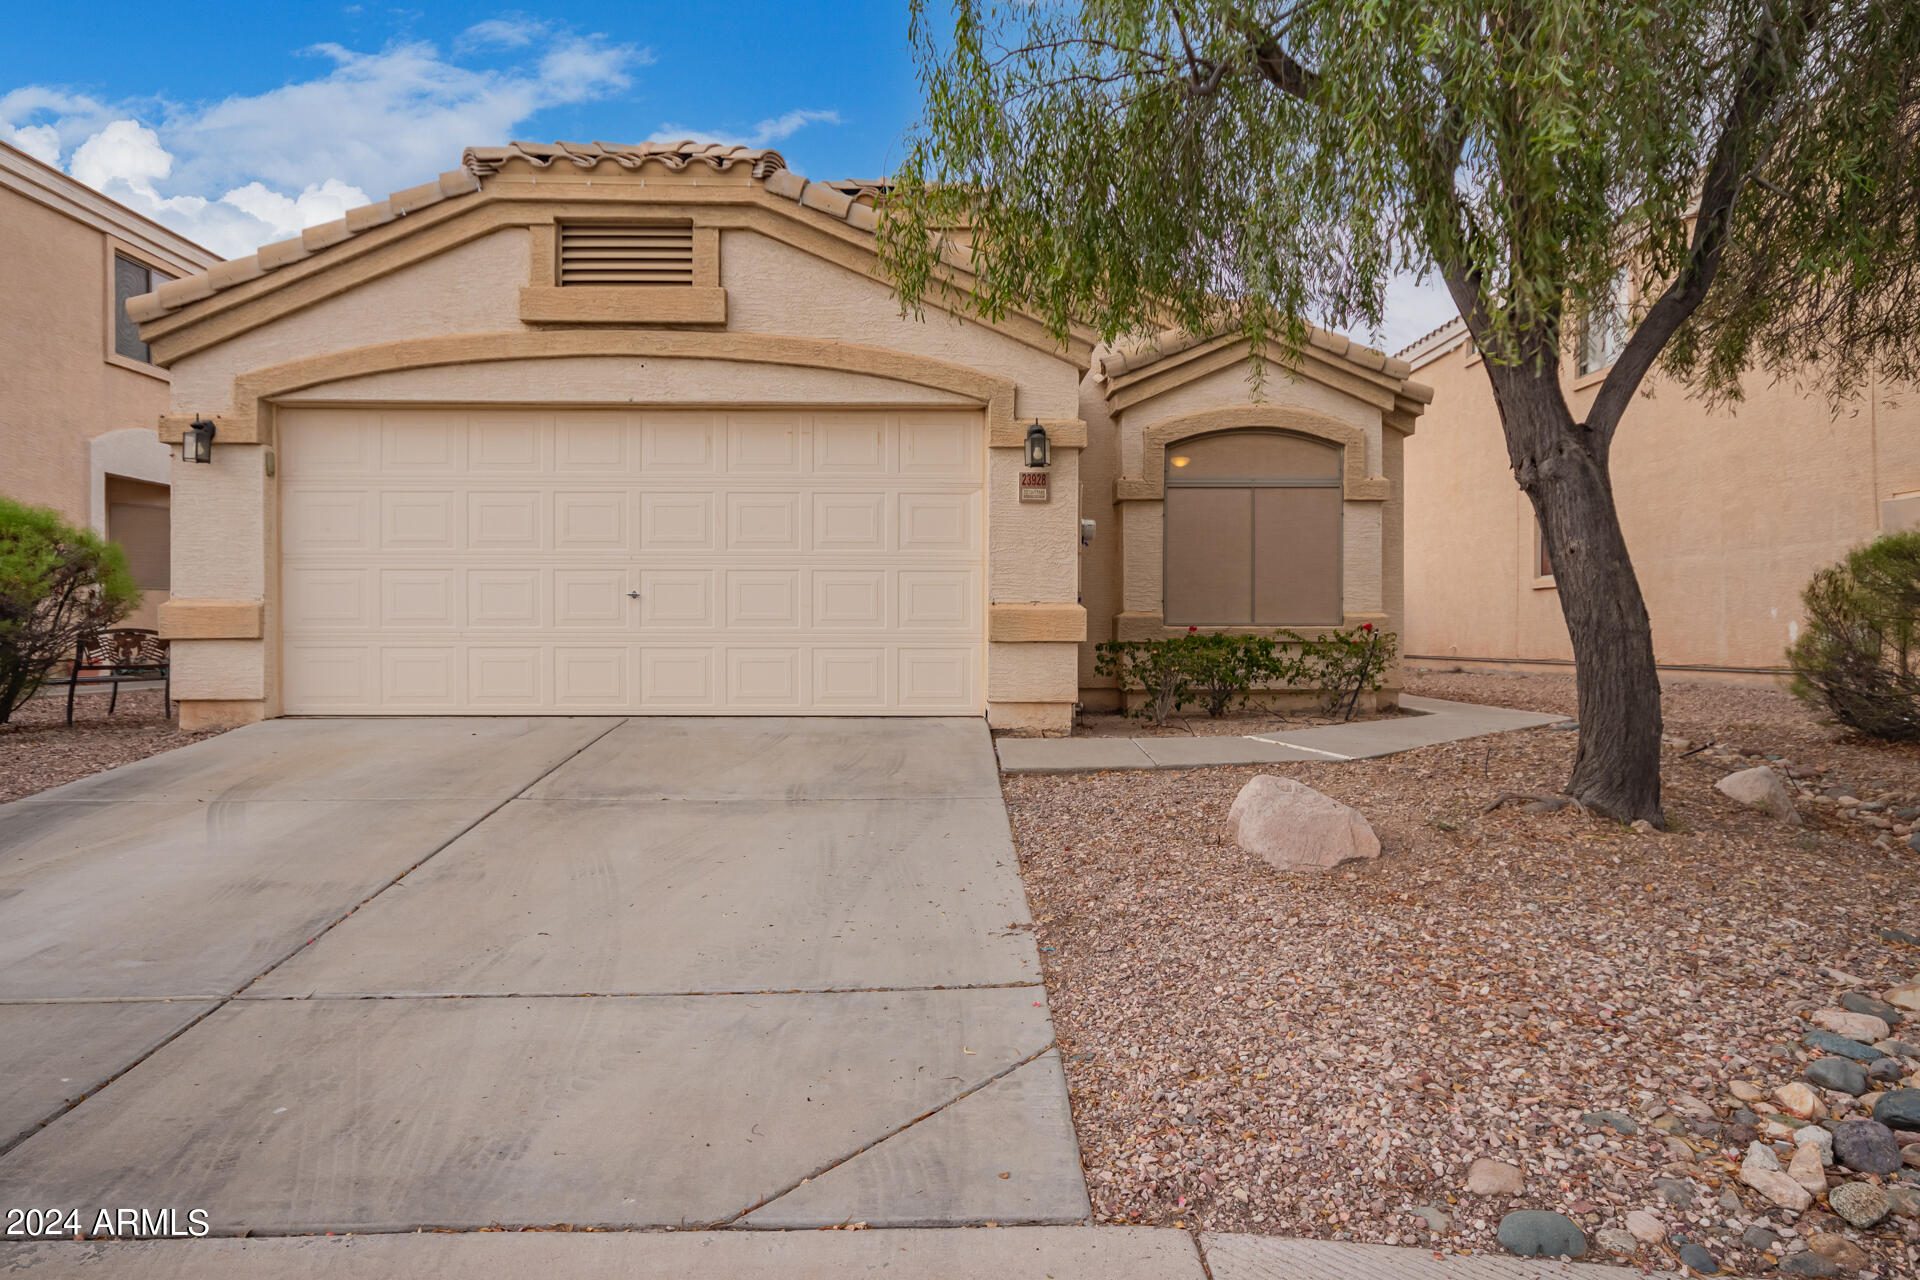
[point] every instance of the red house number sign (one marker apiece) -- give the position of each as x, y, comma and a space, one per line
1033, 486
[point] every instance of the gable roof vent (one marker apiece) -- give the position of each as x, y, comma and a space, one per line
620, 253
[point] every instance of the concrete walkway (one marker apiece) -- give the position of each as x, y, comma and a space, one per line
380, 975
1019, 1253
1435, 721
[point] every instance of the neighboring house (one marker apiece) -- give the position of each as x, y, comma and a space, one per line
1727, 512
81, 392
640, 429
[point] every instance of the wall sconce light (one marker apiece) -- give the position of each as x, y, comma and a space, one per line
1038, 447
196, 442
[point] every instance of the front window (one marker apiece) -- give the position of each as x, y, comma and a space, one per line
1253, 531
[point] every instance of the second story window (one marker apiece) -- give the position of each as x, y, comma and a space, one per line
1603, 331
130, 280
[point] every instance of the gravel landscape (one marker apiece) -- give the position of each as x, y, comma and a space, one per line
1607, 1020
38, 750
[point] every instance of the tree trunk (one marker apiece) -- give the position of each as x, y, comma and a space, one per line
1563, 469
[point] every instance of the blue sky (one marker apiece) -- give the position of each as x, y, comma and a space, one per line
239, 124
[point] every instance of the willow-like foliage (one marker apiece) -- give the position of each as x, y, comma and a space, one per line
1134, 164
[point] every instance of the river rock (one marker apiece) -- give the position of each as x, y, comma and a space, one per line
1760, 788
1809, 1264
1828, 1042
1807, 1170
1761, 1171
1699, 1260
1838, 1074
1860, 1203
1646, 1228
1863, 1027
1814, 1136
1839, 1250
1536, 1233
1865, 1146
1898, 1109
1797, 1099
1292, 826
1494, 1178
1614, 1240
1861, 1002
1906, 996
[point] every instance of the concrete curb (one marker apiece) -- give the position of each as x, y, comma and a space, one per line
1437, 721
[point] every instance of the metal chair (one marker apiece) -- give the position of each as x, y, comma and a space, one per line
122, 653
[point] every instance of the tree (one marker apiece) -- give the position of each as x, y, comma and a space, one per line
1752, 165
58, 585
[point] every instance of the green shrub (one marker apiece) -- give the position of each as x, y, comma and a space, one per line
1220, 671
1345, 664
1856, 656
1151, 667
58, 585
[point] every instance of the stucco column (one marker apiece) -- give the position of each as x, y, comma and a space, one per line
1035, 621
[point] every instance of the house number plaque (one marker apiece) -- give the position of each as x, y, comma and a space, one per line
1033, 486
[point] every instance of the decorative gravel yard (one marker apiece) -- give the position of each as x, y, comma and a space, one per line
38, 750
1327, 1053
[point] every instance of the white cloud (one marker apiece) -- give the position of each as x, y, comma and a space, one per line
1415, 307
765, 134
304, 152
41, 141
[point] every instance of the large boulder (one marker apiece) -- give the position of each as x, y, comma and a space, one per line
1760, 788
1291, 825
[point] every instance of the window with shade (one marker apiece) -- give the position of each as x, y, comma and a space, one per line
130, 280
1253, 531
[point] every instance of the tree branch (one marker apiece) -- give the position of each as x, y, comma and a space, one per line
1774, 60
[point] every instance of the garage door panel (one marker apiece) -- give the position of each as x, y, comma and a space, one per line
763, 522
591, 677
509, 443
503, 599
763, 444
328, 599
598, 444
678, 443
676, 522
420, 677
590, 520
622, 561
850, 521
415, 599
422, 443
506, 677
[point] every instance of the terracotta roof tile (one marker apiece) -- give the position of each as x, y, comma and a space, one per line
851, 202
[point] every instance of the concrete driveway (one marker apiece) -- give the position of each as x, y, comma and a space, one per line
375, 975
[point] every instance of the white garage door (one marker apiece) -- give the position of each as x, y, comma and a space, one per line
501, 562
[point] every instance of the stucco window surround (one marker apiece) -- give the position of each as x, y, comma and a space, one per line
1253, 531
546, 300
1025, 638
162, 271
1142, 510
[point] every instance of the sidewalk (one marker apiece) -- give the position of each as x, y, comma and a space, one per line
1011, 1253
1435, 721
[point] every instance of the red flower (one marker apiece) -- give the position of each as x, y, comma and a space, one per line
1191, 630
1367, 627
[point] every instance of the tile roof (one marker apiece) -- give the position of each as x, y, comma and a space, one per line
852, 202
481, 161
1130, 359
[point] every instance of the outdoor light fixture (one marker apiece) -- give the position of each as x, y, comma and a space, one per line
1181, 460
196, 442
1037, 446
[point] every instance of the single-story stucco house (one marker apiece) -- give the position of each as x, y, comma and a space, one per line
580, 429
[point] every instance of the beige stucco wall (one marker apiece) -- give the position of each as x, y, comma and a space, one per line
1727, 514
772, 289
